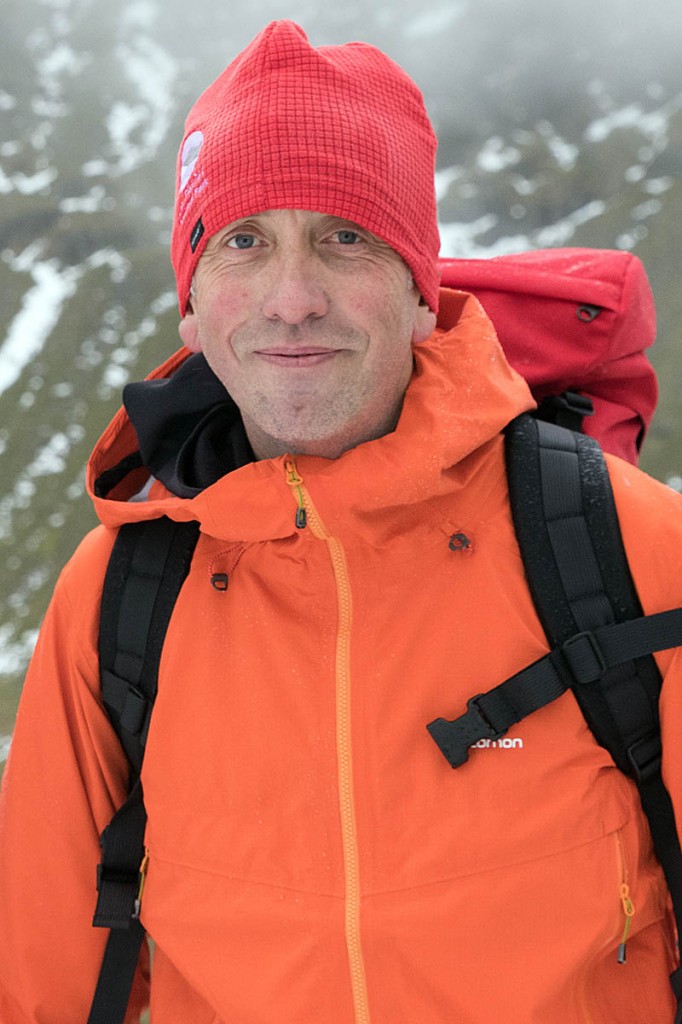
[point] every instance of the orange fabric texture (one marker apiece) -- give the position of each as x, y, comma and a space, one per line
312, 856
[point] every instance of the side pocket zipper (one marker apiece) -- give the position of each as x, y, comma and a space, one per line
626, 903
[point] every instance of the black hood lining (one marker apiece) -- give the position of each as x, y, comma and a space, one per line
189, 431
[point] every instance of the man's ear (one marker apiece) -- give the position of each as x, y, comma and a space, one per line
424, 323
189, 330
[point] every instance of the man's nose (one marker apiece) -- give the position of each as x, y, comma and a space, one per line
295, 290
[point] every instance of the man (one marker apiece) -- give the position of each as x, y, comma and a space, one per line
310, 855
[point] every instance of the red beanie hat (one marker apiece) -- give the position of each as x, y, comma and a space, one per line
340, 130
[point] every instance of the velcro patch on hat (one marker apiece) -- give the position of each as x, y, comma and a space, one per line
197, 234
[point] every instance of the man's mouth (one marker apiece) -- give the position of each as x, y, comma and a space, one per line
301, 356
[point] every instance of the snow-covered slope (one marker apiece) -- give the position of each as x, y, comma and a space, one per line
559, 124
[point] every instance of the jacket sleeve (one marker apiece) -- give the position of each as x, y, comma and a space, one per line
65, 776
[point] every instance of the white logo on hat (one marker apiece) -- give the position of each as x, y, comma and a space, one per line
190, 155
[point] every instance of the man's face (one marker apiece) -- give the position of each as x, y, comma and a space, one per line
308, 320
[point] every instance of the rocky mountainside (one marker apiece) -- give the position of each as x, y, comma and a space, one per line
560, 124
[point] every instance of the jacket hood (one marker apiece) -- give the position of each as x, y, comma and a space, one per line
178, 446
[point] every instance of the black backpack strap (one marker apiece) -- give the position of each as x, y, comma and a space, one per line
148, 565
577, 571
567, 528
568, 409
117, 975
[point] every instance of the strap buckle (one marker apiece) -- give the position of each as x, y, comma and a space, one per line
136, 712
110, 874
584, 657
646, 756
574, 401
566, 410
486, 728
455, 738
117, 888
126, 703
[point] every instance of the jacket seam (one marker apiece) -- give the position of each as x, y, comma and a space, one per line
502, 867
378, 893
243, 878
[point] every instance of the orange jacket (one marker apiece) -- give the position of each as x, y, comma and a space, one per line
313, 859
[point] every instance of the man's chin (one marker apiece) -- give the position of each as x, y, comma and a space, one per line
272, 440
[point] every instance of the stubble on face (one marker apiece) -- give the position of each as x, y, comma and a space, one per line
317, 358
325, 409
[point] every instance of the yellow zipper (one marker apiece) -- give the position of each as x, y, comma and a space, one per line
625, 916
626, 903
307, 515
143, 878
296, 484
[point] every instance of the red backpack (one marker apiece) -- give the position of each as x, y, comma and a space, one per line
574, 320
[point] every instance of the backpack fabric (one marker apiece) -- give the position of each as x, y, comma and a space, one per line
568, 302
577, 320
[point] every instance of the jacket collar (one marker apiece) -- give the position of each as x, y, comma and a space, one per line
461, 395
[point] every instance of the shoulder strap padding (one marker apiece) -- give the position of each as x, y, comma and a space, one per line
147, 567
567, 528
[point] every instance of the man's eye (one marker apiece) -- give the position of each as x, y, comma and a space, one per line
241, 241
347, 237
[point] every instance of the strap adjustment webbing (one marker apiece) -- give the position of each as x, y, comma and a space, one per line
118, 873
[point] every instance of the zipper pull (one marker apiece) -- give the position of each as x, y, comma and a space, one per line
629, 911
296, 484
143, 877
